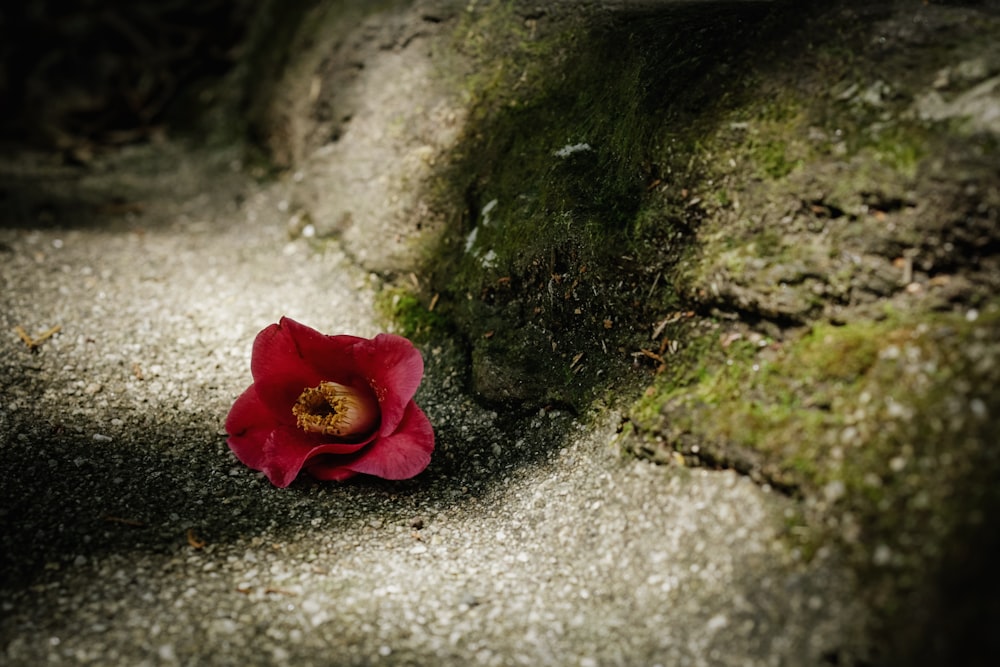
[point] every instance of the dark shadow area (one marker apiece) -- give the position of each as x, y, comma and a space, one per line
78, 75
123, 189
81, 80
67, 495
954, 621
948, 613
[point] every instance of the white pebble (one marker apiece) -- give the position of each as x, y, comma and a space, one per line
717, 622
834, 491
882, 555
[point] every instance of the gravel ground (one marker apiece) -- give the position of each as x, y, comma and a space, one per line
131, 535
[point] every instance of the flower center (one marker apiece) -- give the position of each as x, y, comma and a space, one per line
335, 409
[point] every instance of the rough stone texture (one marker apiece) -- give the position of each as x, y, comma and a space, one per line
847, 260
370, 103
872, 196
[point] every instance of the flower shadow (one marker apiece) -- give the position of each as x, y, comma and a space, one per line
168, 482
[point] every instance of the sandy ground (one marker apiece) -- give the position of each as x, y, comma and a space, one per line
131, 535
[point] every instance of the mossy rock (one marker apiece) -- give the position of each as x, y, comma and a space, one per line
781, 221
847, 263
573, 180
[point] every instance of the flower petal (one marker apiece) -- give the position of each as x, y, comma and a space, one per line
249, 424
287, 450
329, 470
394, 369
402, 454
289, 357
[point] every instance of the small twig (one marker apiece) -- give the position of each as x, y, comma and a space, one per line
271, 590
656, 281
33, 343
48, 334
193, 540
19, 330
661, 363
649, 353
659, 328
670, 319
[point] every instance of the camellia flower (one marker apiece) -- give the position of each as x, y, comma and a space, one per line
335, 406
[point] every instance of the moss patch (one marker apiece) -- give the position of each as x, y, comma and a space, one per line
403, 310
575, 186
849, 356
886, 429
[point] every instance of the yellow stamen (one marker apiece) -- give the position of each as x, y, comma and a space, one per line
335, 409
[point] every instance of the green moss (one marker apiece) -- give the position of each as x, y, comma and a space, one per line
777, 399
843, 354
511, 59
574, 183
408, 314
773, 158
888, 426
792, 402
901, 146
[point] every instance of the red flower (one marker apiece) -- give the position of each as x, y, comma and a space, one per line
334, 405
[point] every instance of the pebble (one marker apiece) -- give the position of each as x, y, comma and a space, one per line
717, 622
834, 490
882, 555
